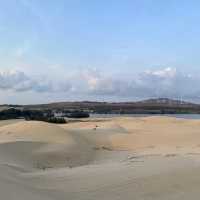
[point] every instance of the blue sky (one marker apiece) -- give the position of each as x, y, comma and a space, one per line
117, 41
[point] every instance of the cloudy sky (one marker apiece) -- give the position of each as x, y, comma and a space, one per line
99, 50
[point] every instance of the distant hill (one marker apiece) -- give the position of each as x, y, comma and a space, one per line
149, 106
166, 101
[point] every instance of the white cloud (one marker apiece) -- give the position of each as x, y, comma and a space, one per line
167, 82
163, 73
19, 81
91, 84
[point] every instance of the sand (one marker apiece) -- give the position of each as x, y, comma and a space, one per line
114, 158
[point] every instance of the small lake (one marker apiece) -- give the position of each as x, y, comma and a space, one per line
184, 116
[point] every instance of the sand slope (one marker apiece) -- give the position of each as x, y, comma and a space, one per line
118, 158
42, 145
159, 134
148, 134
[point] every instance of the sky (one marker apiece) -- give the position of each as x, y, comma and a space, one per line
108, 50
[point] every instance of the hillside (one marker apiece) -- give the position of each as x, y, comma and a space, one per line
149, 106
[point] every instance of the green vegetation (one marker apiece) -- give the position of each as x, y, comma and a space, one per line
56, 120
77, 114
37, 115
10, 114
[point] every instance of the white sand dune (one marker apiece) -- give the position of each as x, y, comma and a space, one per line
148, 134
43, 145
159, 134
118, 158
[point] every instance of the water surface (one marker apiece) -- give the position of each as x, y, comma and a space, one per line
184, 116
